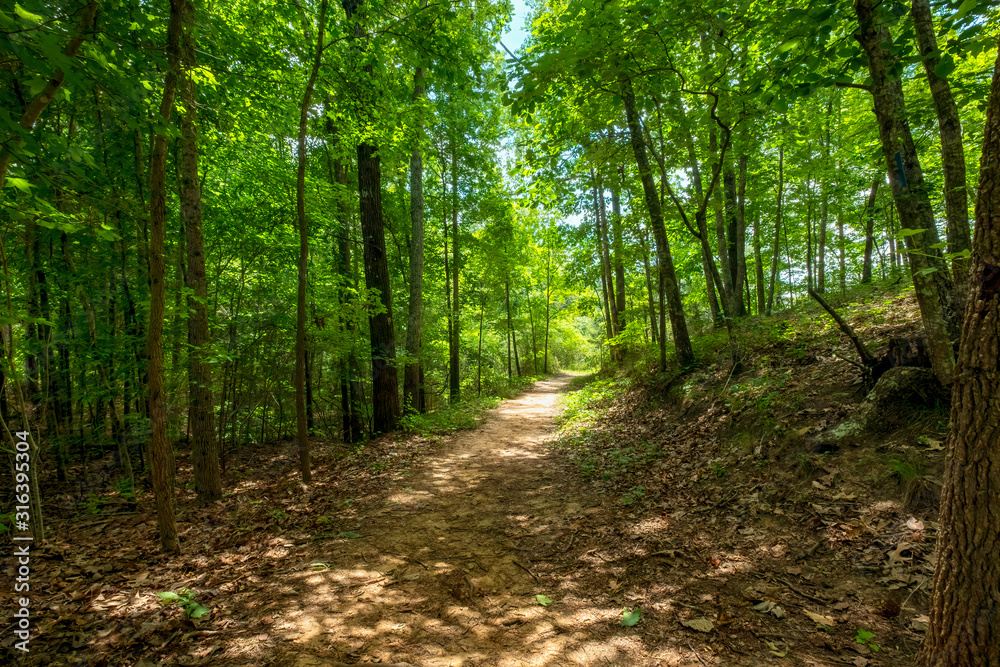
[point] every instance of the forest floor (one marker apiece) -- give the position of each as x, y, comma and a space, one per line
670, 507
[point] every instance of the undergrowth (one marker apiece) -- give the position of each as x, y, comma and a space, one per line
466, 414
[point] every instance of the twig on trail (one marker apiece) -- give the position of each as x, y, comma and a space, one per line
919, 586
570, 545
525, 568
594, 551
696, 655
803, 594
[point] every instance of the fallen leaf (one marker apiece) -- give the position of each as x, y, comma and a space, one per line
769, 607
820, 619
920, 623
779, 649
630, 618
544, 601
699, 624
914, 524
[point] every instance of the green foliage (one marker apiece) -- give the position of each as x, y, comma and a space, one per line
633, 495
192, 608
543, 600
865, 638
631, 617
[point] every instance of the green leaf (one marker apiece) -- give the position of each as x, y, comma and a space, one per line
195, 610
349, 534
21, 184
945, 67
167, 596
905, 231
542, 600
26, 15
630, 618
964, 9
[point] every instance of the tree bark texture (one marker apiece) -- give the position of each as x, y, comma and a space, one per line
869, 221
411, 374
201, 411
956, 199
159, 448
668, 278
777, 230
964, 618
931, 278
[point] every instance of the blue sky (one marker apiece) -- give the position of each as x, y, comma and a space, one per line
516, 32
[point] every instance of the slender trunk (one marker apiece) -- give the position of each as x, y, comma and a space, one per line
454, 381
385, 384
707, 261
668, 278
159, 449
931, 279
964, 623
866, 270
479, 355
758, 267
411, 374
777, 230
619, 261
653, 328
604, 249
531, 322
824, 205
952, 153
201, 412
842, 245
738, 240
548, 302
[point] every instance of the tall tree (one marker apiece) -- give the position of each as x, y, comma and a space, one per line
956, 200
668, 278
964, 623
301, 318
385, 389
931, 280
201, 411
161, 461
411, 374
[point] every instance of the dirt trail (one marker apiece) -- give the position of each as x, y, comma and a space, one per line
447, 570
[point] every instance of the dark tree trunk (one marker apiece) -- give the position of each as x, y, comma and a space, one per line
454, 379
385, 377
777, 230
869, 214
668, 278
931, 279
952, 152
411, 374
159, 449
964, 623
201, 411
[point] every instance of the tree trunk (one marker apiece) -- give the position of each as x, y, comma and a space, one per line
931, 279
201, 412
619, 261
952, 153
654, 330
738, 239
758, 268
159, 449
411, 374
531, 322
866, 267
668, 278
777, 230
842, 245
548, 302
964, 623
385, 378
454, 380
